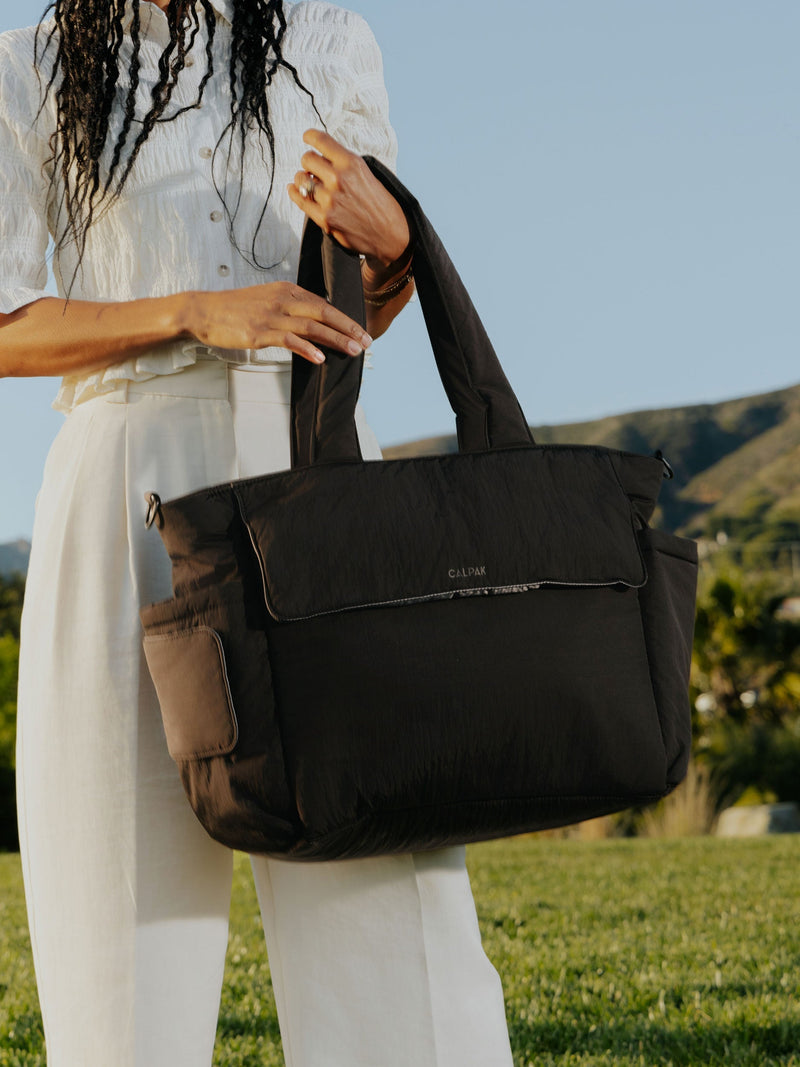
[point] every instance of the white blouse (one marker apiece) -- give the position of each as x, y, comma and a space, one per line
169, 232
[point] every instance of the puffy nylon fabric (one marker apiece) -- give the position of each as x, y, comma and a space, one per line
446, 524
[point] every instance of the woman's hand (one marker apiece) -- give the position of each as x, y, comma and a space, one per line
348, 202
278, 314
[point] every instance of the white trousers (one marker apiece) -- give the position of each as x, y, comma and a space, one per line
375, 963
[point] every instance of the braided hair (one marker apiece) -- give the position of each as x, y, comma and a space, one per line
87, 36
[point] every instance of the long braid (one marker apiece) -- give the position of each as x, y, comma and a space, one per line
88, 37
130, 100
170, 64
258, 30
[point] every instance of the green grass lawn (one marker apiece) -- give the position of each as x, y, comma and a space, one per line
635, 952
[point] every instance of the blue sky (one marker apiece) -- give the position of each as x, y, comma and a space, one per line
616, 180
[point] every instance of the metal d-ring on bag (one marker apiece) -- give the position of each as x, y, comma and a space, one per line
373, 657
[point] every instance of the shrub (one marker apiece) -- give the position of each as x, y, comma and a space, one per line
688, 811
754, 756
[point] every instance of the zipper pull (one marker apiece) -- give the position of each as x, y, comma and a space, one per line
153, 511
669, 473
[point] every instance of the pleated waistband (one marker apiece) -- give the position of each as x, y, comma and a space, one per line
213, 381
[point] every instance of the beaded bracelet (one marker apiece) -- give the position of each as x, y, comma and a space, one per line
379, 298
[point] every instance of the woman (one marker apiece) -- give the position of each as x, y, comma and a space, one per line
164, 161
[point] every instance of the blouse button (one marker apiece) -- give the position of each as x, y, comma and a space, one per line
206, 153
224, 270
189, 61
216, 216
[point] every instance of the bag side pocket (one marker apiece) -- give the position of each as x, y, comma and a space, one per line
209, 661
667, 604
191, 678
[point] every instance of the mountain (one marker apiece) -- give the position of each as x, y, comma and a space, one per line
14, 558
736, 463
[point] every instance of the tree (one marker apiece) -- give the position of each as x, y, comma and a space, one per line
746, 652
746, 686
12, 591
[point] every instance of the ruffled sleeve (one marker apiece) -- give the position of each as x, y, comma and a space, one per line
24, 178
340, 63
363, 122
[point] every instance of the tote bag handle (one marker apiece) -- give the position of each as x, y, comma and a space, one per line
488, 414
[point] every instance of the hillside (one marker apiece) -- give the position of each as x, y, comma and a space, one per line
14, 558
737, 463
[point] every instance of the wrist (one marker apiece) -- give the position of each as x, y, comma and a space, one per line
378, 292
182, 314
394, 239
378, 274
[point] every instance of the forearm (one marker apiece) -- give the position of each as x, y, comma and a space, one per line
48, 338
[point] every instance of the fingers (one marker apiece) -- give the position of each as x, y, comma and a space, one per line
328, 147
306, 348
328, 192
311, 208
314, 322
329, 319
337, 191
320, 168
301, 347
318, 180
274, 314
331, 191
309, 186
325, 171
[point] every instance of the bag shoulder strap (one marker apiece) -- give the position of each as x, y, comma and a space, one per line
324, 398
488, 414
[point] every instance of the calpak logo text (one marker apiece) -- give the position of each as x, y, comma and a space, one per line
467, 572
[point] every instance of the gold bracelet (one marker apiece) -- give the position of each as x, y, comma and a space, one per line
379, 298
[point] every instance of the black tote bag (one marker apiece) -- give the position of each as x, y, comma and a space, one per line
373, 657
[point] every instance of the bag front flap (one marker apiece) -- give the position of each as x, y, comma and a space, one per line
348, 535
